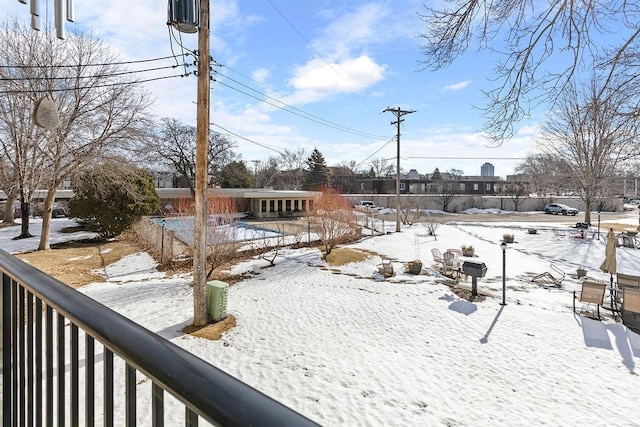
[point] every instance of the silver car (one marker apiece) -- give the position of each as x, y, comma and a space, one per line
558, 208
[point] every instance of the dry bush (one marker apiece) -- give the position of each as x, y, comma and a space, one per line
334, 220
221, 228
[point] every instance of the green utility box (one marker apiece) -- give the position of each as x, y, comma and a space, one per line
217, 299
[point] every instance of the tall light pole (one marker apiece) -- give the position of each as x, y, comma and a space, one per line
503, 245
398, 113
200, 316
255, 172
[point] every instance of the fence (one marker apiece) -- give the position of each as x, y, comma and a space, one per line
162, 240
49, 374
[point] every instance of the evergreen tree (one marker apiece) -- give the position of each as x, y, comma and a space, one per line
436, 176
317, 173
236, 175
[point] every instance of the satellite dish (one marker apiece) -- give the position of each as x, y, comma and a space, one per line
184, 15
45, 113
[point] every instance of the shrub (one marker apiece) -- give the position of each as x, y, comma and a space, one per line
110, 198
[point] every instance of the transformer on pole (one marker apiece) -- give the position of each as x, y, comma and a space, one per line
184, 15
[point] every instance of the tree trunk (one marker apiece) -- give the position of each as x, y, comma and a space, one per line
46, 220
587, 211
24, 215
9, 209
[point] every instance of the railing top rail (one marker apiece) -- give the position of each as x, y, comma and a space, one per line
213, 394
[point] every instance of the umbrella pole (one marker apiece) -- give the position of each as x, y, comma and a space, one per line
614, 309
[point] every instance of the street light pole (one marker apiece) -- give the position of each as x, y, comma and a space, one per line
503, 245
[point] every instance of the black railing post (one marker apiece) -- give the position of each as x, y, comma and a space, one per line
6, 350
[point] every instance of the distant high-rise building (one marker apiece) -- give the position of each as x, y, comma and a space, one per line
486, 170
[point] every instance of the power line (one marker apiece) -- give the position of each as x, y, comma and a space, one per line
93, 76
139, 61
303, 114
6, 92
463, 158
247, 139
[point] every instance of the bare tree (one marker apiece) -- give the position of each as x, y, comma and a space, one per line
569, 33
542, 171
446, 191
343, 176
293, 168
592, 130
9, 184
411, 209
333, 219
382, 167
518, 193
98, 108
267, 246
173, 145
267, 172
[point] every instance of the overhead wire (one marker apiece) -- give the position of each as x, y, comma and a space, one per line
96, 65
6, 92
296, 111
92, 76
247, 139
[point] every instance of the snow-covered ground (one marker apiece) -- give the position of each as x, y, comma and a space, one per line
347, 350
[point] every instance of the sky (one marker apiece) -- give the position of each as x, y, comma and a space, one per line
318, 74
344, 347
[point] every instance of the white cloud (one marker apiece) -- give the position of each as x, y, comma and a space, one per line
318, 79
456, 86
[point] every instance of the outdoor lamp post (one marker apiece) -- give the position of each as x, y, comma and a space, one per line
503, 245
162, 244
598, 225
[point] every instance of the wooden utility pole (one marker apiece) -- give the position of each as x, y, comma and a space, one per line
200, 316
398, 113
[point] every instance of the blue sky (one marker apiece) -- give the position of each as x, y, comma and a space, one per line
339, 64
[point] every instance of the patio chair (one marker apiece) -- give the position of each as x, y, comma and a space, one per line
631, 309
386, 268
437, 257
592, 293
553, 277
558, 233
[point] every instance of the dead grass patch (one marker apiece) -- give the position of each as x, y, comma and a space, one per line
342, 256
212, 331
618, 228
74, 263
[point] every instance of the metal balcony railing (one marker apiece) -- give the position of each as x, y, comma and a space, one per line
54, 338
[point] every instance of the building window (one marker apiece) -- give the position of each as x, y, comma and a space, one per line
272, 205
475, 187
449, 186
263, 206
402, 186
362, 186
304, 205
279, 205
296, 205
461, 186
287, 204
487, 187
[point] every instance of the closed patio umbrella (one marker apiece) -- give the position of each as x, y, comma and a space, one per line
609, 263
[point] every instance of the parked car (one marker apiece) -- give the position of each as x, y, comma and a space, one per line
558, 208
367, 205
